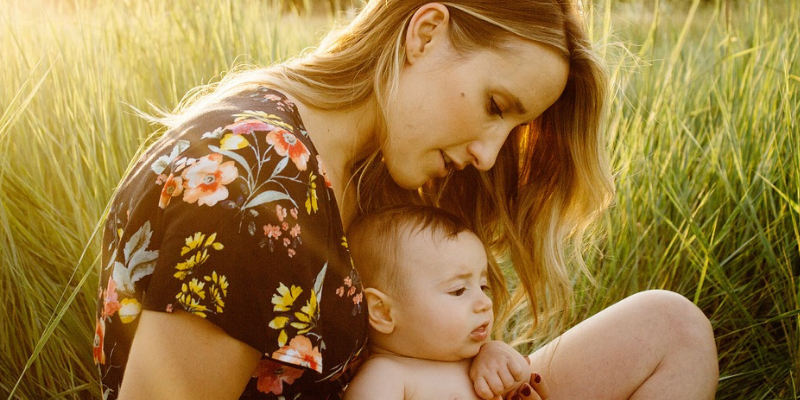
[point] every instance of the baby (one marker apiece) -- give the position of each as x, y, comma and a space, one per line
426, 284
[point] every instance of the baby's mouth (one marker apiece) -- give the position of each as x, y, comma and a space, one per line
480, 333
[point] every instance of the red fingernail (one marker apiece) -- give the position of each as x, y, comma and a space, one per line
526, 390
537, 378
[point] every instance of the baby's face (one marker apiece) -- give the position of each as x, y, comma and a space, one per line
444, 312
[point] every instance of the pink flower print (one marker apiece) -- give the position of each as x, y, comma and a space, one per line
272, 375
111, 301
299, 351
291, 252
340, 291
250, 125
272, 97
205, 180
287, 242
286, 143
323, 172
99, 338
357, 298
293, 212
295, 232
352, 291
347, 281
272, 231
172, 187
280, 212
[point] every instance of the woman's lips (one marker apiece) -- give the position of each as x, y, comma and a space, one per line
444, 167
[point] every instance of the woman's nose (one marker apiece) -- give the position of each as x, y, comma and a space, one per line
484, 151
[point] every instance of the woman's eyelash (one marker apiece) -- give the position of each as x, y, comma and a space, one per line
494, 108
458, 292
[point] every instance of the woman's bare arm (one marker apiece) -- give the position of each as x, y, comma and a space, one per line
181, 356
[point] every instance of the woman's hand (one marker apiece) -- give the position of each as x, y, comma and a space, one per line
536, 389
498, 369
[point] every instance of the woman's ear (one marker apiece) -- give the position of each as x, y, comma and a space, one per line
381, 315
428, 27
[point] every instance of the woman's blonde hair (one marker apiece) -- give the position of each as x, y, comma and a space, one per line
551, 178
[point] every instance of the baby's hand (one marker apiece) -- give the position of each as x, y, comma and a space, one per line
497, 370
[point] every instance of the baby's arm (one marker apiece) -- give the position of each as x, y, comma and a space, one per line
498, 369
378, 378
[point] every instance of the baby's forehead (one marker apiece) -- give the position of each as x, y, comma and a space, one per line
435, 250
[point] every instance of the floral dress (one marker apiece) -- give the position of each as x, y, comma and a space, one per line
231, 218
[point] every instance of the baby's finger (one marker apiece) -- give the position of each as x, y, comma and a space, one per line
540, 386
519, 372
482, 389
509, 381
496, 385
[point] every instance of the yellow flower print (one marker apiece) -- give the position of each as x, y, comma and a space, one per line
197, 242
344, 242
307, 316
218, 290
233, 141
285, 298
283, 301
190, 297
185, 267
311, 201
130, 310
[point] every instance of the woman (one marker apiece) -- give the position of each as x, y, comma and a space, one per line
224, 251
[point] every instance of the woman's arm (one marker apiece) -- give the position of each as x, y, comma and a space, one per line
182, 356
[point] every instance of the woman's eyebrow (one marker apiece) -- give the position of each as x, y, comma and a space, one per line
518, 107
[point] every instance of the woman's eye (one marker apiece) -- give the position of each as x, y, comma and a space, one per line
494, 108
485, 288
458, 292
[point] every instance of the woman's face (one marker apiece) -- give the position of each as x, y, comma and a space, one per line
455, 110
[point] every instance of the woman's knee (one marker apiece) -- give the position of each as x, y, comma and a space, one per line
682, 322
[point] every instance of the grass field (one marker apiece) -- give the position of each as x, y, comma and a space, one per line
703, 132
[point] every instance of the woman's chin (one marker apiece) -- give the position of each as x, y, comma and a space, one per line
409, 182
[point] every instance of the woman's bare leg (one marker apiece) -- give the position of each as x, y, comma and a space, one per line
652, 345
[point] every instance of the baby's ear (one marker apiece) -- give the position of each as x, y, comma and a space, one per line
379, 305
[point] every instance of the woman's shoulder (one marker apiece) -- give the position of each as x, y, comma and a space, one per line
244, 111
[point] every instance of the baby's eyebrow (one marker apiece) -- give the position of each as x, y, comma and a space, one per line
464, 275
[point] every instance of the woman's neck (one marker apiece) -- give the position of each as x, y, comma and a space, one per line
342, 138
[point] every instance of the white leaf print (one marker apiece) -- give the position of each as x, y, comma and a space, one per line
268, 196
163, 162
216, 134
281, 165
139, 262
318, 285
236, 157
139, 240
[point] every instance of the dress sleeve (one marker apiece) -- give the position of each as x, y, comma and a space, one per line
243, 242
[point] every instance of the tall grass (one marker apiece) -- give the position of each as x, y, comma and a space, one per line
703, 133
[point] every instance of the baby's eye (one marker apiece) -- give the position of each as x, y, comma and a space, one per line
458, 292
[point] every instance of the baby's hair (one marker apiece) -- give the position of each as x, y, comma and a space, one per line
374, 240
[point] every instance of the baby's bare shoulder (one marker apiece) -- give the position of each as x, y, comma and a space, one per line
379, 378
